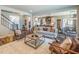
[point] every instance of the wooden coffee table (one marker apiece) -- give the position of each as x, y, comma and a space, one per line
34, 40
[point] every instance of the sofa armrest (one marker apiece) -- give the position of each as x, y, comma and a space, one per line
63, 50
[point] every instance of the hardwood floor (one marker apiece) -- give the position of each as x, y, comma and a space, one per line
19, 47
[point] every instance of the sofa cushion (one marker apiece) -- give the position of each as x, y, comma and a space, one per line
67, 43
48, 34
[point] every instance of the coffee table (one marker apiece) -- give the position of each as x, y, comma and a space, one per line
34, 40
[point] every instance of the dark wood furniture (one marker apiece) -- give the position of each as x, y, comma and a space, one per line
55, 48
19, 34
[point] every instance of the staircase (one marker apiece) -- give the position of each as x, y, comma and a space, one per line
5, 21
7, 26
7, 30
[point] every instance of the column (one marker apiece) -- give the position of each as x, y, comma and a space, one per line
52, 24
77, 24
0, 16
44, 22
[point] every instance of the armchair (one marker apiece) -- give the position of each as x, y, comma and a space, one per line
19, 34
68, 46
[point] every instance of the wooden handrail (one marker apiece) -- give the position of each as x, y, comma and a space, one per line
7, 19
9, 22
69, 51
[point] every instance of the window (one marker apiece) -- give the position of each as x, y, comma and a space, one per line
36, 21
70, 23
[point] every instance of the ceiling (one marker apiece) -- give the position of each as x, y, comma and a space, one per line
39, 9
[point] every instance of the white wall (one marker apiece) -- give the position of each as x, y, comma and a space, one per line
4, 30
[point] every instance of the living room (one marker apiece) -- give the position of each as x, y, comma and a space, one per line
39, 29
